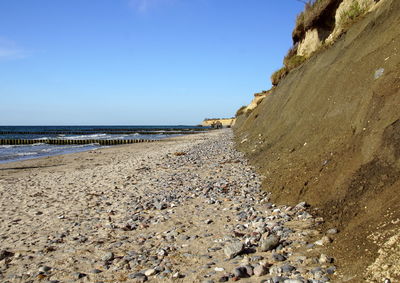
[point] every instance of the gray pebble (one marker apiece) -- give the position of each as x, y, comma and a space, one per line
278, 257
260, 270
79, 275
332, 231
233, 249
108, 256
240, 272
44, 269
287, 268
269, 243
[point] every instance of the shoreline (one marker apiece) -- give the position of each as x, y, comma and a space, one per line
67, 160
97, 147
186, 209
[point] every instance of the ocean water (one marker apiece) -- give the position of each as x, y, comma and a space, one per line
10, 153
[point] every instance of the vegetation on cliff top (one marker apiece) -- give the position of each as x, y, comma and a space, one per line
241, 111
349, 16
291, 61
316, 13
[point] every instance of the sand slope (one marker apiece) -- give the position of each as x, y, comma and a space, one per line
329, 135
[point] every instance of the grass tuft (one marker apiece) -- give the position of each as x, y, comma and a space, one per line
241, 111
313, 11
278, 76
292, 60
349, 16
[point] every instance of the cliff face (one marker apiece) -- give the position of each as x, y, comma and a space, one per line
224, 121
258, 98
326, 20
329, 135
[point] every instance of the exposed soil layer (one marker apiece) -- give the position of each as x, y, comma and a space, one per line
330, 135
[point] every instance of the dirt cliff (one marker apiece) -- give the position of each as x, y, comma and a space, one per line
329, 135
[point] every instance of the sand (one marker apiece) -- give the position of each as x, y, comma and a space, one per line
158, 212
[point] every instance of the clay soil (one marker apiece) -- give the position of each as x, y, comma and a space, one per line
330, 135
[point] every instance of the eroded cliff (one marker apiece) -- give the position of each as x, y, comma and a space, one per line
329, 134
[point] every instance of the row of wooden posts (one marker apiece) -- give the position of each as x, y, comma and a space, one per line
66, 142
103, 132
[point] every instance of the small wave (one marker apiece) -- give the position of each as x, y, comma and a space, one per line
26, 153
60, 148
47, 149
94, 136
37, 144
7, 146
21, 145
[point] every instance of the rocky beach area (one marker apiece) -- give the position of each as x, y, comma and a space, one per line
188, 209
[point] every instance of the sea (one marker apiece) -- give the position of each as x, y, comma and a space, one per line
11, 153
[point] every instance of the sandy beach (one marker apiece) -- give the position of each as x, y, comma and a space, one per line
187, 209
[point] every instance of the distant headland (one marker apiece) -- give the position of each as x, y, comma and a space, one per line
225, 122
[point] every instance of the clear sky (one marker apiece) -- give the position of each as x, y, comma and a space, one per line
137, 62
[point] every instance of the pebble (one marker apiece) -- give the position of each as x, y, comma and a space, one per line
324, 241
331, 270
332, 231
5, 254
260, 270
249, 270
138, 277
233, 249
278, 279
287, 268
150, 272
324, 259
79, 275
278, 257
178, 275
160, 205
44, 269
240, 272
269, 243
107, 256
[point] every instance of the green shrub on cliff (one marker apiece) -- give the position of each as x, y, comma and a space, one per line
278, 75
349, 16
312, 13
292, 60
241, 111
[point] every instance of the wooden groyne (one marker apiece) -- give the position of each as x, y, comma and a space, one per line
102, 132
71, 142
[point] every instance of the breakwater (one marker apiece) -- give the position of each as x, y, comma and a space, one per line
71, 142
103, 132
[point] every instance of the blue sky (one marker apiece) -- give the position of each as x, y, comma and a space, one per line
137, 62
